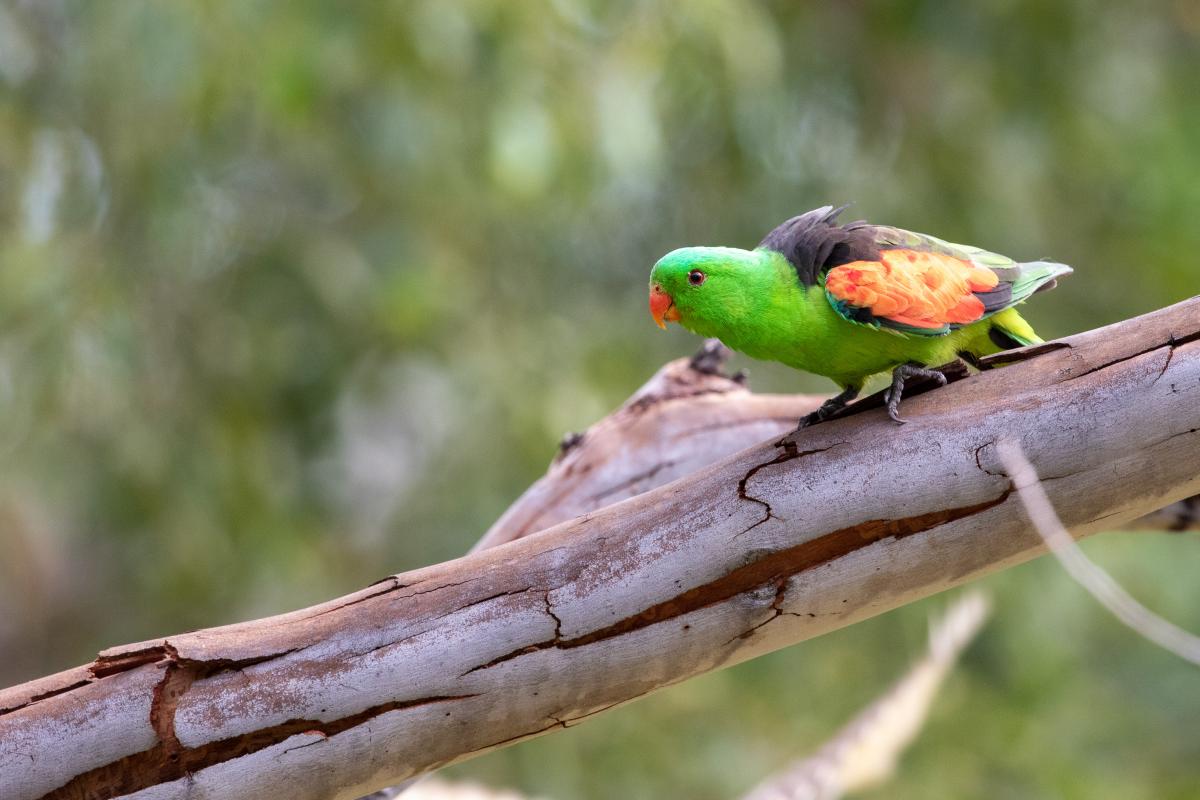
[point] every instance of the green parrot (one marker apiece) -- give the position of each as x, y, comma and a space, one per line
848, 301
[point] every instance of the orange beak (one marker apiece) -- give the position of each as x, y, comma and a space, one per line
662, 307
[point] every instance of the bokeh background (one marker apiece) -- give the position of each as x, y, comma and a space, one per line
297, 294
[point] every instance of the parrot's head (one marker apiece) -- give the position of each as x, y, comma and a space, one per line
707, 290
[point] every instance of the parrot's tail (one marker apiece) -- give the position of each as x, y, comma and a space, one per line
1008, 328
1037, 276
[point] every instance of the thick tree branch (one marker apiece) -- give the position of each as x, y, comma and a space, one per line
776, 544
860, 755
686, 417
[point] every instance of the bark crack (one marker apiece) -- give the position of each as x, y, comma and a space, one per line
106, 665
979, 460
169, 760
553, 616
164, 703
774, 566
790, 453
520, 736
645, 402
37, 698
395, 585
321, 737
437, 588
781, 587
1172, 342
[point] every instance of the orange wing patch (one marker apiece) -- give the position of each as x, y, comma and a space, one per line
923, 290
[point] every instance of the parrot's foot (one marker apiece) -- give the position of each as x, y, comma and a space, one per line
829, 408
899, 375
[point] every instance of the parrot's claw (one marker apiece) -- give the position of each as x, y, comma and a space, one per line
828, 408
900, 374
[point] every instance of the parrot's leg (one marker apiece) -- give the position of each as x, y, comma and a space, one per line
830, 407
899, 375
973, 360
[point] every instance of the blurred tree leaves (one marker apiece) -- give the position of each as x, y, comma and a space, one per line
296, 294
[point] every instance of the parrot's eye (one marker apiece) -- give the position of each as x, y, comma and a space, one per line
696, 277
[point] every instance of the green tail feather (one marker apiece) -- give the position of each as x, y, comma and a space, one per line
1036, 276
1032, 277
1009, 329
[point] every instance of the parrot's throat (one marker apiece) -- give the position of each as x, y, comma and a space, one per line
761, 316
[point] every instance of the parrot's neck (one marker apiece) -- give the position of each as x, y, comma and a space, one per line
771, 312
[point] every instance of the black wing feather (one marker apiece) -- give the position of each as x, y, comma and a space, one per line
813, 243
996, 299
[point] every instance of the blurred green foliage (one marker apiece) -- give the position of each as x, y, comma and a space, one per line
296, 294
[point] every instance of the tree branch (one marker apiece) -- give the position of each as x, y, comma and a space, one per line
776, 544
686, 417
860, 755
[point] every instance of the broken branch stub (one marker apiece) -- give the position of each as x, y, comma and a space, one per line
686, 417
771, 546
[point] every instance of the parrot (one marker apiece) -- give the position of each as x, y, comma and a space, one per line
850, 301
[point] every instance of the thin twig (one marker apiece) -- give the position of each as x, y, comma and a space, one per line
864, 752
1099, 583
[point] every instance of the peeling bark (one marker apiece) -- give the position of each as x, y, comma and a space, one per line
770, 546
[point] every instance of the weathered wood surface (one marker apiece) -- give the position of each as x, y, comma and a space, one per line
686, 417
776, 544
